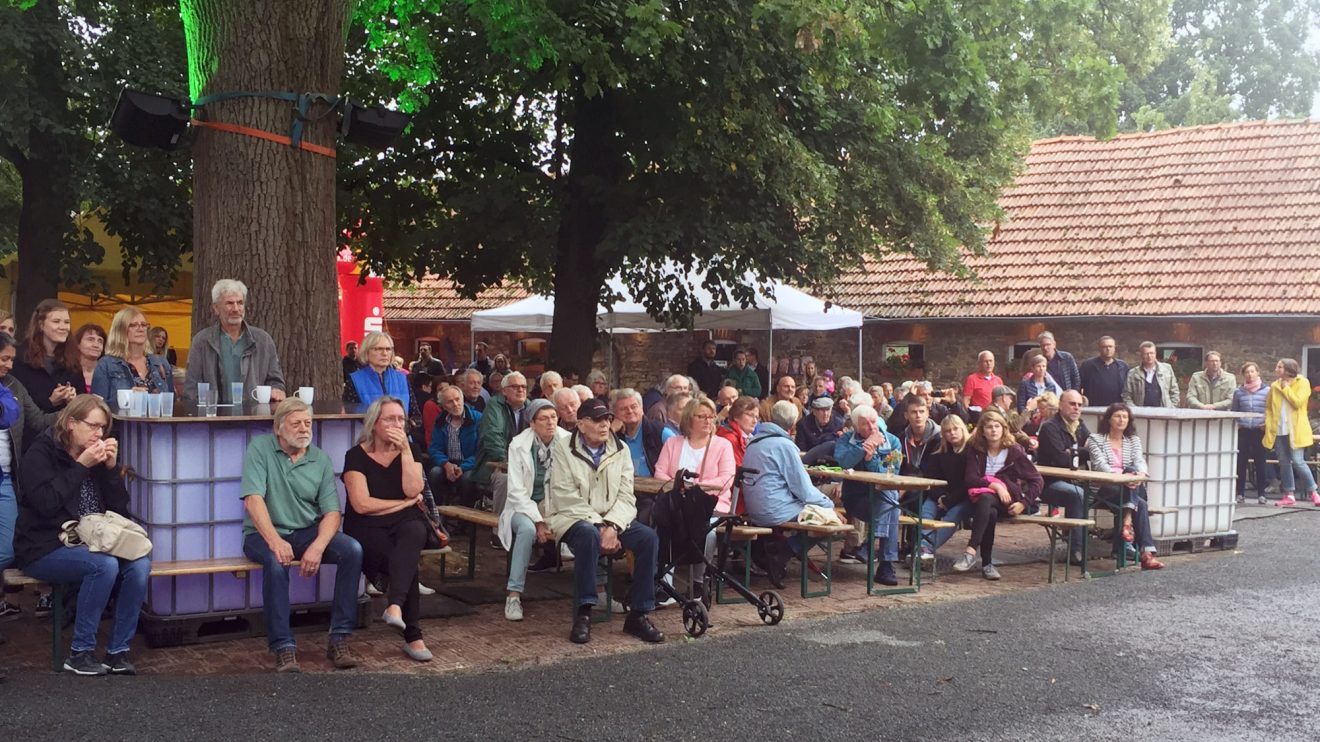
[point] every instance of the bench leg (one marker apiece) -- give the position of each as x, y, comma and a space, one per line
914, 580
805, 544
57, 627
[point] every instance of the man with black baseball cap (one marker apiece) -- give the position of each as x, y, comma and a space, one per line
591, 507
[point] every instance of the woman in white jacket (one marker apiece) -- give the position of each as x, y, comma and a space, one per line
522, 522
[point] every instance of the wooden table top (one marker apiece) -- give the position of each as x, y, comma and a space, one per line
653, 486
885, 481
1086, 475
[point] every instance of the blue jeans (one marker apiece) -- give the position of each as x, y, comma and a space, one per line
524, 537
343, 551
8, 516
1110, 496
884, 522
930, 510
96, 574
1289, 475
1068, 496
583, 540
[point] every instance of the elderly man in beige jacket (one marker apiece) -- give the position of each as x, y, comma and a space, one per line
591, 508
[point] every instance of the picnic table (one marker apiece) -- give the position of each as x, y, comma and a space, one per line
1089, 479
884, 482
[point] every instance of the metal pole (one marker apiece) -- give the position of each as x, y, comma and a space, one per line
859, 355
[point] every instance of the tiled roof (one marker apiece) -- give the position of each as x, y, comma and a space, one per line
434, 299
1209, 220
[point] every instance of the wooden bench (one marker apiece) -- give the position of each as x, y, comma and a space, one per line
476, 518
1057, 528
238, 566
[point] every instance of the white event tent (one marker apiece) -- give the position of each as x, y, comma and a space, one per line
781, 308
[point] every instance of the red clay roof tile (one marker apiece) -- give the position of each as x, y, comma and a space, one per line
1209, 220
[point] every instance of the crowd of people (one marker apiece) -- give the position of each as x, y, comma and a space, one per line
556, 460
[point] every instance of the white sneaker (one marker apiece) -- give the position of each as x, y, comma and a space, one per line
513, 608
565, 554
990, 572
372, 591
965, 562
424, 590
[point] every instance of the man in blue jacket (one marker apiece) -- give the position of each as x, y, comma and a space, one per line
454, 449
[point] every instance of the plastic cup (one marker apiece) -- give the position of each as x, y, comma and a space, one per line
236, 393
167, 404
153, 405
139, 404
124, 398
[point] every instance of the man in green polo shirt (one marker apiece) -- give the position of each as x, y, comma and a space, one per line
293, 513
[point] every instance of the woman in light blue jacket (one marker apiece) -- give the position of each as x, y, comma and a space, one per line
1250, 398
127, 364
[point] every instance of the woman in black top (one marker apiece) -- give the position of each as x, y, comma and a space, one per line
40, 363
384, 486
948, 503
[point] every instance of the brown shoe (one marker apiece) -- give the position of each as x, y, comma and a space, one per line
286, 660
340, 655
1148, 561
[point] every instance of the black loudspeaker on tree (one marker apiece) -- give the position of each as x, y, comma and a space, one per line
149, 120
376, 127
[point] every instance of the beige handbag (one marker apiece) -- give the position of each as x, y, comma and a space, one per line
109, 533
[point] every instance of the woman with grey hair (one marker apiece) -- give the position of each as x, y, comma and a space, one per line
522, 519
599, 385
384, 485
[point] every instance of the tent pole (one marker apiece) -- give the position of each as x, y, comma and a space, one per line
859, 354
770, 358
610, 355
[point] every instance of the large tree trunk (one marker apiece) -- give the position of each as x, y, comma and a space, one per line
49, 199
42, 222
264, 213
579, 275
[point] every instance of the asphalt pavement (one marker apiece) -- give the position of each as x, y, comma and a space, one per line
1214, 648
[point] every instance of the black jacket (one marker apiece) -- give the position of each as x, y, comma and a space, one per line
708, 376
1055, 447
41, 381
950, 467
763, 375
51, 482
651, 443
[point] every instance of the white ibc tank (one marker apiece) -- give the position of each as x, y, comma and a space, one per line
1192, 458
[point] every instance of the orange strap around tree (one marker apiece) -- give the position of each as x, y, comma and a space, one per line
268, 136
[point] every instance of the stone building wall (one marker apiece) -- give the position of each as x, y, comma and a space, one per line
950, 346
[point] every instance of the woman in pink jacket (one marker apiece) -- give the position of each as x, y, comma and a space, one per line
698, 450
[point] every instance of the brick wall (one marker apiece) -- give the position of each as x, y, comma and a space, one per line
951, 346
643, 359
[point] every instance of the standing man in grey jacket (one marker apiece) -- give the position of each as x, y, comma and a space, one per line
232, 350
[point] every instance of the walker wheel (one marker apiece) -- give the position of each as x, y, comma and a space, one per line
771, 607
695, 618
